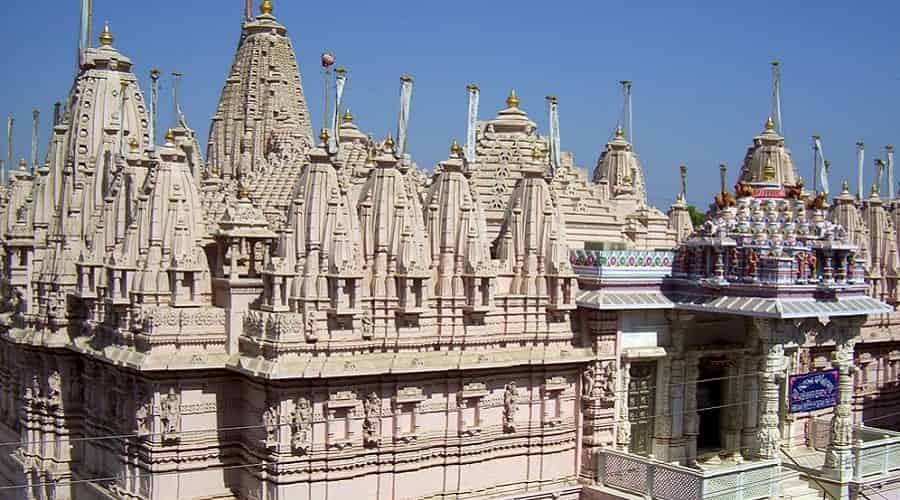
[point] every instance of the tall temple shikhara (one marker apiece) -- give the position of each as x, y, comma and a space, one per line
313, 316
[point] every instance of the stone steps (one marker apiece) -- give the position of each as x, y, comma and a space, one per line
797, 488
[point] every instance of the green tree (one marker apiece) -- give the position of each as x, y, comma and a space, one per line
697, 217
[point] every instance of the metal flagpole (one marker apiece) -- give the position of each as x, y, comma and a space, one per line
890, 166
776, 96
629, 126
35, 116
327, 60
555, 158
815, 173
84, 36
175, 108
471, 122
340, 79
406, 84
154, 105
860, 159
10, 122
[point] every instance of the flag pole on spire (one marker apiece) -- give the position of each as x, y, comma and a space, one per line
626, 112
471, 121
860, 159
776, 96
35, 117
10, 122
890, 168
86, 27
555, 157
406, 85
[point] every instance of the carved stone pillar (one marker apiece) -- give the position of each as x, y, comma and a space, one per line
749, 383
734, 413
768, 433
623, 425
663, 422
691, 418
839, 457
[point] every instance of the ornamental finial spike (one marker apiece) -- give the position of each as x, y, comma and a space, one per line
770, 123
537, 154
170, 137
348, 116
323, 135
106, 36
845, 187
265, 8
455, 149
512, 101
389, 143
620, 134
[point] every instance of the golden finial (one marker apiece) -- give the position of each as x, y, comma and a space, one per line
370, 157
512, 101
106, 36
620, 134
22, 164
389, 143
170, 136
243, 192
455, 148
265, 8
348, 116
537, 154
133, 143
845, 187
875, 190
770, 123
323, 136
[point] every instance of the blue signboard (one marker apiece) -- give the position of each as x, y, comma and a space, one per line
813, 391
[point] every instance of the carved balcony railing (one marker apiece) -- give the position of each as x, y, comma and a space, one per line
631, 264
655, 479
875, 451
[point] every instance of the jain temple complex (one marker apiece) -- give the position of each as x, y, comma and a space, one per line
300, 314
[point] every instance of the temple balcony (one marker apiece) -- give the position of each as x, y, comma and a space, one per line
643, 476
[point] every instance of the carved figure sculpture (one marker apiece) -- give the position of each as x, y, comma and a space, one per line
301, 426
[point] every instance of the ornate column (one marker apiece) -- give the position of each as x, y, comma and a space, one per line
662, 431
734, 413
749, 381
839, 457
691, 418
623, 425
768, 433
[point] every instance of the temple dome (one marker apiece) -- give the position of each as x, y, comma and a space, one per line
620, 170
768, 161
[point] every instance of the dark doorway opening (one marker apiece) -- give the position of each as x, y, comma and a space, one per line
710, 398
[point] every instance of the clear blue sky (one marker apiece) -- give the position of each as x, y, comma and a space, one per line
701, 70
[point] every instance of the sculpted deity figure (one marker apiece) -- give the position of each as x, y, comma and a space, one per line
270, 421
371, 421
171, 414
366, 326
311, 326
54, 389
587, 382
301, 426
510, 407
